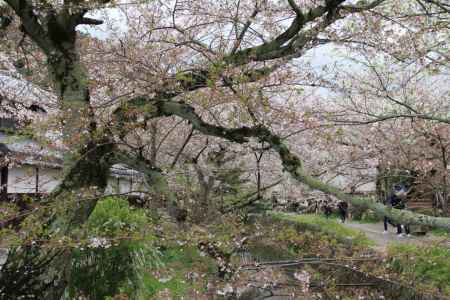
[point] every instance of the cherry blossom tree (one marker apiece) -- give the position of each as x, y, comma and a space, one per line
210, 63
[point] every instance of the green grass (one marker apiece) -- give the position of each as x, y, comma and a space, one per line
330, 227
440, 232
176, 286
429, 265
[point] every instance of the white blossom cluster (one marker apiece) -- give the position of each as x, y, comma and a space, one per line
96, 242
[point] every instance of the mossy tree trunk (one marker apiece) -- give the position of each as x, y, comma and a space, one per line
38, 270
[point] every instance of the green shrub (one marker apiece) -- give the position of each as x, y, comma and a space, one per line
116, 255
440, 232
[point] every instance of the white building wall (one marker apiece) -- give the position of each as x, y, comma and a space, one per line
113, 186
22, 180
124, 185
49, 179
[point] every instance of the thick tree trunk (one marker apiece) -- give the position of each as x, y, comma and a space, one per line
40, 269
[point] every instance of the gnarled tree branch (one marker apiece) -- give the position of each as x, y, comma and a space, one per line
290, 161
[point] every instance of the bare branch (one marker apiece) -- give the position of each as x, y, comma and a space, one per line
186, 141
244, 30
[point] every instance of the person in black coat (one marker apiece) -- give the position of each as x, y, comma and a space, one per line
396, 200
327, 210
343, 210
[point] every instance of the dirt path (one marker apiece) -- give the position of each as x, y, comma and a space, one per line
374, 232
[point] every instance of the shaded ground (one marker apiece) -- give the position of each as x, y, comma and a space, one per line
374, 231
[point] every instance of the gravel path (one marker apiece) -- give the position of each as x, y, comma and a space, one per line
374, 231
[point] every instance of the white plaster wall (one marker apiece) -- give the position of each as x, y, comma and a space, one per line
22, 180
113, 186
49, 179
124, 185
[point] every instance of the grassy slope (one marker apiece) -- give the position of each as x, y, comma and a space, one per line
298, 235
327, 226
425, 266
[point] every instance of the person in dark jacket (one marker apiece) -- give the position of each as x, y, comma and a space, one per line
343, 210
327, 210
396, 200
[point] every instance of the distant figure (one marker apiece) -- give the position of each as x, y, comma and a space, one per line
343, 210
327, 210
396, 200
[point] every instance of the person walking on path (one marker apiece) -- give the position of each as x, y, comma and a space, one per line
397, 200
